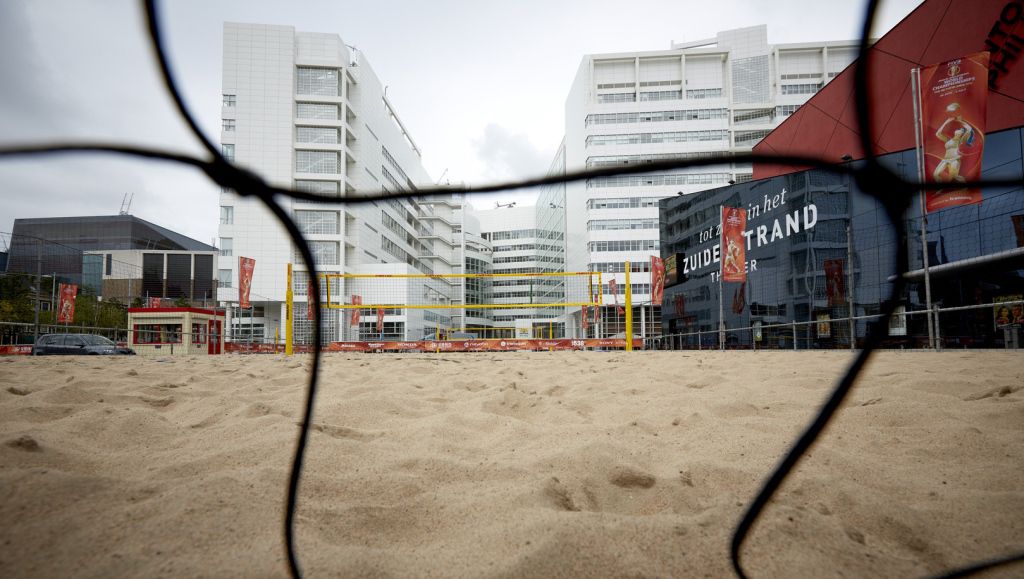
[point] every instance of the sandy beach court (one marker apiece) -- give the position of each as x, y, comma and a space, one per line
562, 464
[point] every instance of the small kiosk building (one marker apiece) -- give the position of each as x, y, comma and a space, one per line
175, 331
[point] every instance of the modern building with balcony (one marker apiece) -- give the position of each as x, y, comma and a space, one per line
702, 98
306, 111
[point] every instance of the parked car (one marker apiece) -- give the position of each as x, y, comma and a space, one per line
77, 344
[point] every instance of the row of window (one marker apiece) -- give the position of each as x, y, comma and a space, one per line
321, 187
656, 116
644, 138
623, 245
394, 163
801, 88
750, 137
620, 266
658, 180
636, 288
404, 235
616, 160
515, 259
620, 224
608, 85
662, 95
527, 247
622, 202
395, 250
521, 234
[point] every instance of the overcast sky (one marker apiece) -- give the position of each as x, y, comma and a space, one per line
480, 85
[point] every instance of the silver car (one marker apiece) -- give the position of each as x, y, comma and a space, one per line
77, 344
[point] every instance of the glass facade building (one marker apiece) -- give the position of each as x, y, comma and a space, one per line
819, 248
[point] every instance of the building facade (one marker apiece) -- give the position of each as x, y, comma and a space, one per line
704, 98
306, 111
116, 257
820, 245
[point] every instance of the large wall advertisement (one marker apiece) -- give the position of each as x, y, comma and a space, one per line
818, 247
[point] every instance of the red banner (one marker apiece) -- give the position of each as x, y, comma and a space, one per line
734, 221
380, 320
154, 303
585, 317
15, 350
615, 296
835, 284
245, 267
310, 303
66, 304
954, 97
739, 299
680, 304
356, 301
657, 279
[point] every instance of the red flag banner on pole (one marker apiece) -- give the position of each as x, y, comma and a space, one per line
380, 320
66, 305
835, 282
154, 302
245, 267
356, 301
954, 98
680, 303
734, 221
585, 317
310, 307
615, 296
657, 279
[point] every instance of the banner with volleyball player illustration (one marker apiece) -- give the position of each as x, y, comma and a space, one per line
734, 221
356, 301
245, 267
657, 279
310, 300
380, 320
953, 101
615, 296
66, 304
835, 285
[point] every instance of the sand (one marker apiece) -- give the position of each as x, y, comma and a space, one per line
564, 464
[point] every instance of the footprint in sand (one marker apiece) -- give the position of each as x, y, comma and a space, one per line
18, 391
24, 442
997, 392
629, 478
157, 402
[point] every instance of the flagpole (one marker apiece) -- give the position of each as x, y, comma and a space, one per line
915, 82
721, 270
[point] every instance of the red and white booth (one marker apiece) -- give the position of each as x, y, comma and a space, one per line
175, 331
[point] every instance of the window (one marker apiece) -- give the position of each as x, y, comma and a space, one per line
658, 180
228, 125
618, 224
324, 162
661, 95
801, 88
228, 151
317, 222
198, 333
157, 333
643, 138
317, 135
227, 246
623, 245
317, 111
317, 186
227, 215
229, 100
617, 97
317, 81
622, 203
704, 93
324, 252
785, 110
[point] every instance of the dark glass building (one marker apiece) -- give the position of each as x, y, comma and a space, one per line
115, 256
820, 247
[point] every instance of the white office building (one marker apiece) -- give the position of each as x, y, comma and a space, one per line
305, 110
708, 97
